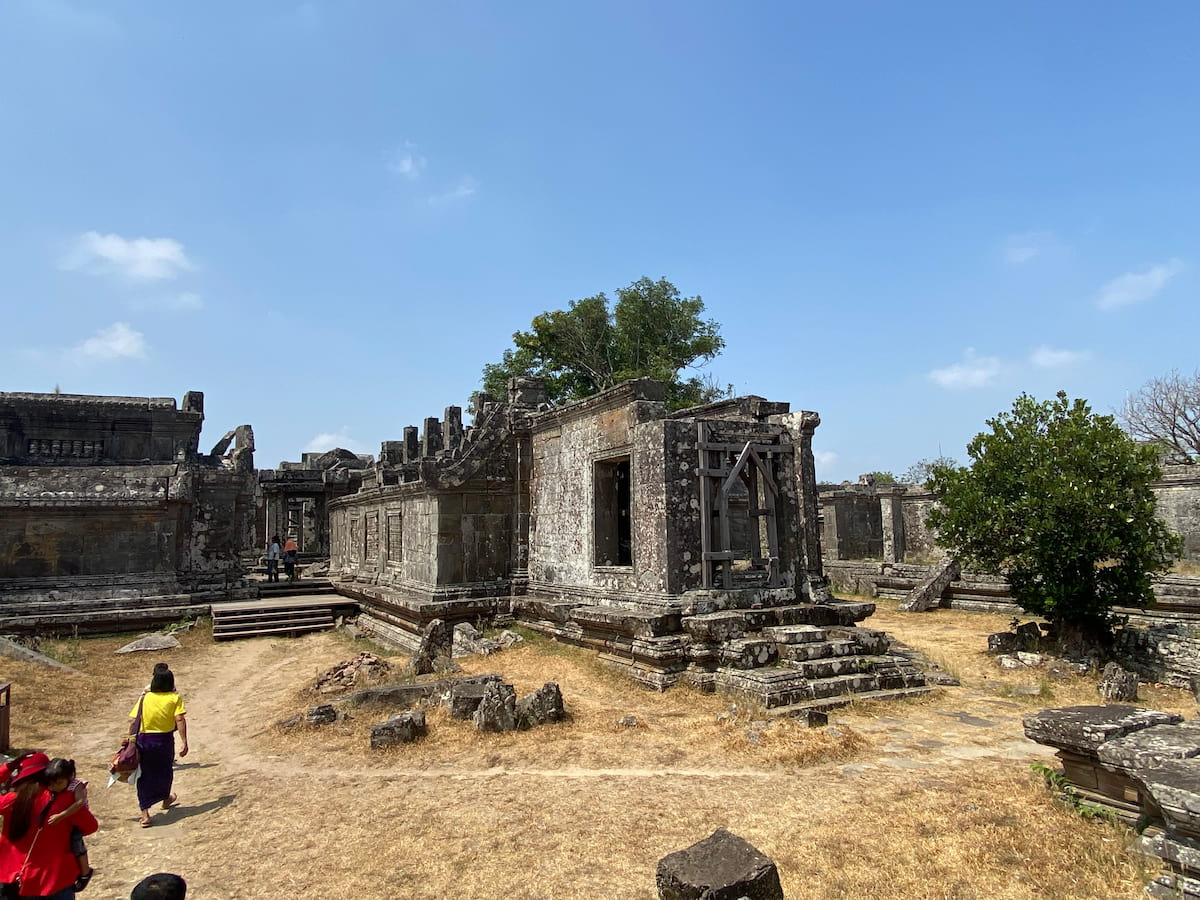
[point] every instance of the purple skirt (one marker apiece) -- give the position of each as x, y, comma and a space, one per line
157, 753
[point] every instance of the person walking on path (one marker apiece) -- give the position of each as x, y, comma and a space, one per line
273, 552
290, 551
157, 715
33, 849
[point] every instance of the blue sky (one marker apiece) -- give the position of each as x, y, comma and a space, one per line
328, 216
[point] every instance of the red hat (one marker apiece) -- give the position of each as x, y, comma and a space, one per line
31, 764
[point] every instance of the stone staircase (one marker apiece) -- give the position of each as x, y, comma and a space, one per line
797, 667
789, 657
282, 610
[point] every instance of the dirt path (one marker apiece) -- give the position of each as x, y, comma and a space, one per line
250, 824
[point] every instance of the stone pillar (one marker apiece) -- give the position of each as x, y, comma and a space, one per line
412, 447
193, 401
802, 425
431, 440
891, 515
453, 432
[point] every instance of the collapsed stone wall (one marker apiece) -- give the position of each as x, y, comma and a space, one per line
108, 509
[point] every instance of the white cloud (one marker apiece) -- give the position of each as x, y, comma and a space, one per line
465, 188
1020, 248
1047, 357
328, 440
1137, 287
974, 371
139, 259
117, 341
407, 162
824, 460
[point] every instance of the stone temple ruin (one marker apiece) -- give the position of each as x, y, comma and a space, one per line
677, 544
111, 517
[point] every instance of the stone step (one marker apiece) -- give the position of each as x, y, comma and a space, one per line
837, 685
825, 703
288, 628
792, 653
834, 666
749, 653
793, 634
628, 622
717, 627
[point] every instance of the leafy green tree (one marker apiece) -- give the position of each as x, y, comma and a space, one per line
1058, 499
651, 331
880, 478
920, 471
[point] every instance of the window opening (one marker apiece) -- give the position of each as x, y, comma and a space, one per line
612, 497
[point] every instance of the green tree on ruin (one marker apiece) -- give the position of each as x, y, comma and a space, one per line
650, 332
1058, 500
920, 471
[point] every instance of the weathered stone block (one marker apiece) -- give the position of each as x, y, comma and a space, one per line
1083, 729
464, 698
723, 866
402, 728
1173, 789
1152, 746
437, 644
323, 714
542, 706
715, 628
793, 634
1118, 685
1003, 642
749, 653
497, 708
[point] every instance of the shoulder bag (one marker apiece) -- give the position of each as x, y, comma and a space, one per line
128, 759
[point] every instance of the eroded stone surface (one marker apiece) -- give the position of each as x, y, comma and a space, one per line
497, 708
723, 866
402, 728
540, 707
1083, 729
151, 642
1152, 746
1118, 685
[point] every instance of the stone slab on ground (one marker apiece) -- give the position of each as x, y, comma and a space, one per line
1152, 746
150, 642
13, 650
1085, 728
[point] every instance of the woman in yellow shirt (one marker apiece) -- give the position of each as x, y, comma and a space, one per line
163, 714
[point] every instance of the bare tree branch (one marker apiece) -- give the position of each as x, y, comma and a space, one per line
1166, 411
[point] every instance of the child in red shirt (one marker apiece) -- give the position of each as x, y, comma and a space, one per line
60, 778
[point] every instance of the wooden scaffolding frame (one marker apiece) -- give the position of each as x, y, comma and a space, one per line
722, 465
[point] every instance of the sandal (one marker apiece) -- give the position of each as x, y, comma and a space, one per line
82, 881
146, 822
171, 802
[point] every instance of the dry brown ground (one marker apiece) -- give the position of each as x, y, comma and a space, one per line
926, 799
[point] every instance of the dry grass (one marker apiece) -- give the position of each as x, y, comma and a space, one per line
585, 807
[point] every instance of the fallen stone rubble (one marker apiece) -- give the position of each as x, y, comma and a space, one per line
486, 700
366, 668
